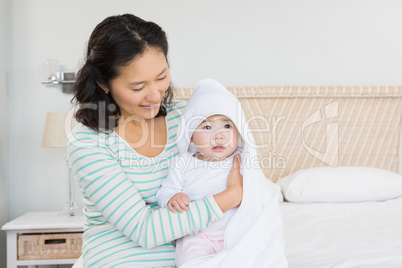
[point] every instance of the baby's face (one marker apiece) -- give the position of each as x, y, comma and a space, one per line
215, 138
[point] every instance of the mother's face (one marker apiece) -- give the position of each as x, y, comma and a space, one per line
141, 85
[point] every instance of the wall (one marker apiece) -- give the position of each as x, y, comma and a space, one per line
4, 132
276, 42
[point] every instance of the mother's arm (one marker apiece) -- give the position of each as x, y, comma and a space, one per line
232, 196
104, 183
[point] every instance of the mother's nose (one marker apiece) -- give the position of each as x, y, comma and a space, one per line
154, 94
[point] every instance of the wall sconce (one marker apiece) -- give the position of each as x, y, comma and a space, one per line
55, 77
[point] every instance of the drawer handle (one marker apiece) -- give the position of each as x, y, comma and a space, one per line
55, 241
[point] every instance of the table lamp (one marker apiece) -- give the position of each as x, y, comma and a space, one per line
57, 127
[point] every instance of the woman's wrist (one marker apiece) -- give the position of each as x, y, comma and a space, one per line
229, 198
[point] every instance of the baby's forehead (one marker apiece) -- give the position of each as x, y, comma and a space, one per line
217, 117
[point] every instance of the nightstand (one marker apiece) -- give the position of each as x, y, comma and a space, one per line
43, 238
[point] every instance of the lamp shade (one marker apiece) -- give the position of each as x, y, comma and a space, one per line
58, 125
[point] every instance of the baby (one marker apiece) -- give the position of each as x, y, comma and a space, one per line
204, 170
211, 136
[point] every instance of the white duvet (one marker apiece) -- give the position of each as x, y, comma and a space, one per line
340, 235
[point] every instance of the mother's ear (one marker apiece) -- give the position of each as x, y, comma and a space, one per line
103, 87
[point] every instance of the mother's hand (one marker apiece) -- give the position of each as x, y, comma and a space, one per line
232, 196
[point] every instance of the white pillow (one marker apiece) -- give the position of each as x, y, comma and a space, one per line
341, 184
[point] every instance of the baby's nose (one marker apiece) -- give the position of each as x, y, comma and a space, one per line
219, 135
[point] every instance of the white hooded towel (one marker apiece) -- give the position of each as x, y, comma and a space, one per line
254, 236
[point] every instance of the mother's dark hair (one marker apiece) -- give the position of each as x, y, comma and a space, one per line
114, 43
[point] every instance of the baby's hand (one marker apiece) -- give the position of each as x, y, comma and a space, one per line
179, 202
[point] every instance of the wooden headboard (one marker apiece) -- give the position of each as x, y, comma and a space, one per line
299, 127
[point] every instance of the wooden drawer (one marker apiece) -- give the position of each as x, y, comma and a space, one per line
49, 246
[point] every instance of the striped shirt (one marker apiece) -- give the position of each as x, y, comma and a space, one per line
124, 225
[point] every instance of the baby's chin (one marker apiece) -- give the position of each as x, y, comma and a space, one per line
213, 157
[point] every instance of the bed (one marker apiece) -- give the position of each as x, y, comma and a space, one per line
334, 151
363, 234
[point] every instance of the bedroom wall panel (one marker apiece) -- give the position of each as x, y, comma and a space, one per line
4, 132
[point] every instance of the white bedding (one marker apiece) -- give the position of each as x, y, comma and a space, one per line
341, 235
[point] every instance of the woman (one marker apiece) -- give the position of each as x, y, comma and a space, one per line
121, 152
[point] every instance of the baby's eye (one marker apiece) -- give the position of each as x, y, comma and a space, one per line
207, 127
228, 126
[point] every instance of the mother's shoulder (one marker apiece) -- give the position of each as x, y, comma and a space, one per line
177, 105
84, 130
82, 133
175, 109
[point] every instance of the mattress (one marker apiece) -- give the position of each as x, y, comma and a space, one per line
367, 234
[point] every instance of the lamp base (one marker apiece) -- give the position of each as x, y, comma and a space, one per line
70, 209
